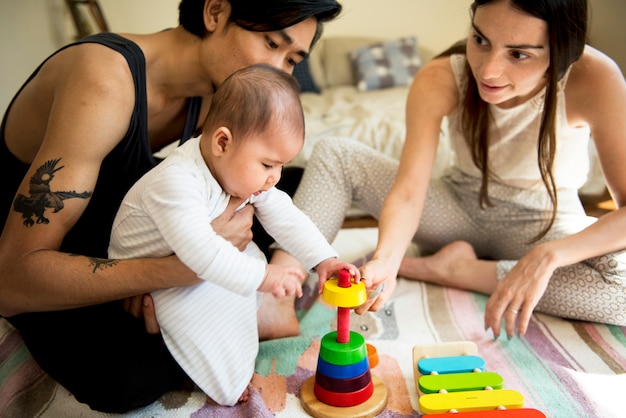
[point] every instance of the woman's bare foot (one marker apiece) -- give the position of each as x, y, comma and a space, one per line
454, 265
439, 266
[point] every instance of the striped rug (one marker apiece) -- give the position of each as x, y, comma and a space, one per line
563, 368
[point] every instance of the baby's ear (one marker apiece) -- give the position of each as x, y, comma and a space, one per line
221, 140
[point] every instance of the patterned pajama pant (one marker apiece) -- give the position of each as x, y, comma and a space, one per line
342, 172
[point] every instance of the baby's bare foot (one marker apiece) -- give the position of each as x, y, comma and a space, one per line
245, 396
277, 318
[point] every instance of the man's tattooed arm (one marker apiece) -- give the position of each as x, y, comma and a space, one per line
42, 197
98, 263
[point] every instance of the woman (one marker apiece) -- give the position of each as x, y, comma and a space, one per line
522, 98
76, 136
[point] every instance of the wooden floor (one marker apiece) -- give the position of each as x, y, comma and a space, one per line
598, 205
360, 222
594, 206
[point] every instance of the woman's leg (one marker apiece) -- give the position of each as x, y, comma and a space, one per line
447, 237
454, 265
288, 183
592, 290
340, 173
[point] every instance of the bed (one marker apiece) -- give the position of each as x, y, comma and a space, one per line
563, 368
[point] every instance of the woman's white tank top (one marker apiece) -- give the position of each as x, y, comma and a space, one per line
513, 137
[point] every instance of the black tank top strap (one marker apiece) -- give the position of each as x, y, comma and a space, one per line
124, 165
195, 103
137, 134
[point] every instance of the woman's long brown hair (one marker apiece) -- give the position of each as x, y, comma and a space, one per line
567, 35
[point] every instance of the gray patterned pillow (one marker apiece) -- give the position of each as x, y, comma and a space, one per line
386, 64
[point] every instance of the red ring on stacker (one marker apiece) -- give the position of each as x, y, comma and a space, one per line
343, 399
351, 384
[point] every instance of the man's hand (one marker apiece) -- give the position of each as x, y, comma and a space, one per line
142, 306
235, 226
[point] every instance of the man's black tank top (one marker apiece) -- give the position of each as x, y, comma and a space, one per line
124, 165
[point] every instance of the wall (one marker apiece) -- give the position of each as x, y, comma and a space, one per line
607, 30
26, 37
140, 16
30, 30
436, 23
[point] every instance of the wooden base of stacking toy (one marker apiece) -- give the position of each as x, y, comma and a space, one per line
343, 384
451, 379
370, 408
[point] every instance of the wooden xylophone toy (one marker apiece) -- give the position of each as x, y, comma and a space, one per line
451, 381
343, 384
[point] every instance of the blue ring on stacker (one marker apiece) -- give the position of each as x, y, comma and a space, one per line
342, 372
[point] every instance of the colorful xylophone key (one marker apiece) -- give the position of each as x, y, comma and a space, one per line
467, 401
457, 382
450, 378
451, 364
507, 413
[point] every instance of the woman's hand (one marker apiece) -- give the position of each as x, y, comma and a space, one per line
382, 282
517, 294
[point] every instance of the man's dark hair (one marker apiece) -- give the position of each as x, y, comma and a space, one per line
262, 16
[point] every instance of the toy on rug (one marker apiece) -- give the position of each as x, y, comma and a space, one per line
343, 384
451, 381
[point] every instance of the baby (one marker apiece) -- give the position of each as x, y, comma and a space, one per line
254, 127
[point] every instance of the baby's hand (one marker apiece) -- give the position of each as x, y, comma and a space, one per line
331, 266
282, 281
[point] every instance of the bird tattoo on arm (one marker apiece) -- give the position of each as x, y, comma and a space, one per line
42, 197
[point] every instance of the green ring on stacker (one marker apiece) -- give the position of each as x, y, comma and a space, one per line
338, 354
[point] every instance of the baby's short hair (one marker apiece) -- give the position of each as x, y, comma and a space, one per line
251, 98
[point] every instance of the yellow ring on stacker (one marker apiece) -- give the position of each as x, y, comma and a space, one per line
344, 297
